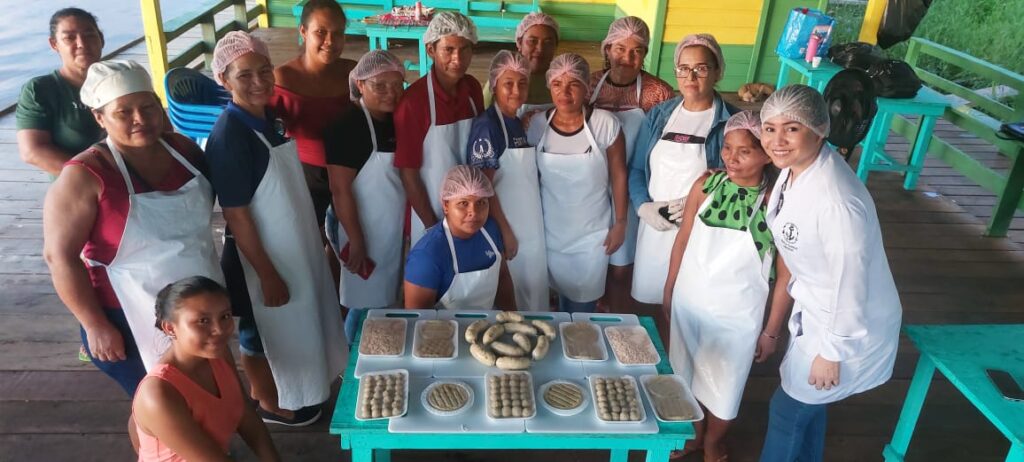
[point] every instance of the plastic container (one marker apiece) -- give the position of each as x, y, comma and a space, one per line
439, 412
418, 337
404, 393
599, 343
533, 395
687, 396
563, 412
644, 343
636, 392
812, 47
371, 321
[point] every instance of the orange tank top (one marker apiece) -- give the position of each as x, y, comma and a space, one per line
219, 416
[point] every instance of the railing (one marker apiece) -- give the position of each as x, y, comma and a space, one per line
158, 33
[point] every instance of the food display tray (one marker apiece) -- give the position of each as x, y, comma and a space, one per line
417, 338
416, 367
405, 409
585, 422
418, 419
611, 366
690, 399
607, 319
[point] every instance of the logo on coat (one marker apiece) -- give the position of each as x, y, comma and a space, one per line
482, 149
790, 235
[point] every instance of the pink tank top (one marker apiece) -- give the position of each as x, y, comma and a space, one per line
219, 417
306, 118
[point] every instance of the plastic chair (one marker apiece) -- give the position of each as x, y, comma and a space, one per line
194, 102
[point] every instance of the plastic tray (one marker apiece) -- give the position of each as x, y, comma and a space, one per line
405, 333
585, 422
405, 394
417, 339
416, 367
473, 420
562, 412
607, 319
688, 396
600, 342
438, 412
636, 389
633, 329
533, 392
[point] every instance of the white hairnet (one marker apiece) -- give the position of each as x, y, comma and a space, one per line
535, 19
624, 28
449, 23
506, 60
234, 45
798, 103
702, 40
572, 64
106, 81
372, 64
744, 120
465, 180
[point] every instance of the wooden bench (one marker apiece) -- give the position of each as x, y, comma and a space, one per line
981, 116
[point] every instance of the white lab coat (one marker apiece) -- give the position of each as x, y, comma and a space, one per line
846, 305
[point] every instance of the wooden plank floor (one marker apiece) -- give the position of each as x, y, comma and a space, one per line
56, 408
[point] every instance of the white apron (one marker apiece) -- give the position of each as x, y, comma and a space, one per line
630, 120
673, 171
167, 237
380, 199
473, 290
443, 148
518, 186
304, 340
717, 308
574, 191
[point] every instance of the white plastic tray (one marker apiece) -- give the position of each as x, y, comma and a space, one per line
417, 338
533, 391
607, 319
440, 413
638, 329
686, 393
405, 333
562, 412
416, 367
587, 421
600, 342
405, 408
474, 420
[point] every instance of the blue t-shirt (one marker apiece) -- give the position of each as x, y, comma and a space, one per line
236, 156
487, 141
430, 261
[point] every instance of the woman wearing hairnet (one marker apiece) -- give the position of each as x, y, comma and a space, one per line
678, 141
497, 145
536, 39
582, 163
458, 263
435, 115
845, 324
366, 228
290, 330
717, 283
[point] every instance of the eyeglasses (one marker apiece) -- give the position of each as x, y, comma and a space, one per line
383, 88
700, 71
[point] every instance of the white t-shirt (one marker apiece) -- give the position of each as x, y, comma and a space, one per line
603, 125
671, 173
689, 122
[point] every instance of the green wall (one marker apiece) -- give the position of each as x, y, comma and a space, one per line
737, 62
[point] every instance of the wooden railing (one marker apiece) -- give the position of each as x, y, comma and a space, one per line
158, 33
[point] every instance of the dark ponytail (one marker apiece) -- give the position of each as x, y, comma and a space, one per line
171, 296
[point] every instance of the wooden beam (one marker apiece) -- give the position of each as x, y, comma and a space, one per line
872, 21
264, 19
156, 45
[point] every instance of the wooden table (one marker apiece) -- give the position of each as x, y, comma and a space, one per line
929, 106
370, 440
378, 34
817, 77
962, 353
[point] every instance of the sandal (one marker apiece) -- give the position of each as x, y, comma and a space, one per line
685, 452
83, 356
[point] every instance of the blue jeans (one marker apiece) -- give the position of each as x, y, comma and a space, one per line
569, 306
796, 430
129, 372
352, 323
249, 341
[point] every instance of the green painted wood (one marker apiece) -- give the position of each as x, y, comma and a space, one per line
919, 46
365, 437
989, 105
653, 60
1009, 200
896, 450
189, 19
737, 61
763, 61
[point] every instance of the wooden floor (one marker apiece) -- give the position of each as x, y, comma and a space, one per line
54, 407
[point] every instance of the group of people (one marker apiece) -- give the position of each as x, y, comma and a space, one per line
602, 185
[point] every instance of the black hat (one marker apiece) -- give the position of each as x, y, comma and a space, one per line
850, 97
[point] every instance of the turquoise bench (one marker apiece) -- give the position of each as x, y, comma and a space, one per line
370, 440
962, 353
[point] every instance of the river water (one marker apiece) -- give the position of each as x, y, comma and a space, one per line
24, 30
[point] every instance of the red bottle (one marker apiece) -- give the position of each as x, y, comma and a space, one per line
812, 47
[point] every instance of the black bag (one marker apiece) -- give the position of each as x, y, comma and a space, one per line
850, 97
1014, 131
894, 79
900, 20
856, 55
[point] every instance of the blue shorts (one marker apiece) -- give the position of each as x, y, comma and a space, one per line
129, 372
249, 340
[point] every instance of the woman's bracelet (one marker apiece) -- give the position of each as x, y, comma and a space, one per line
773, 337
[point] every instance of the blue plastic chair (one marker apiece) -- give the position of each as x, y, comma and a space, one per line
194, 102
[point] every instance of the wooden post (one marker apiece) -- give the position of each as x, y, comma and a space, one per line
209, 31
156, 45
872, 21
263, 20
241, 18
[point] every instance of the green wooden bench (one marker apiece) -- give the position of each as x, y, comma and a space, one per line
980, 116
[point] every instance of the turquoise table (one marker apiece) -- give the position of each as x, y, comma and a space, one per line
962, 353
371, 440
817, 77
378, 35
929, 106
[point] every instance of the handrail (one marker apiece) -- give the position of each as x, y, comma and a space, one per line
964, 61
